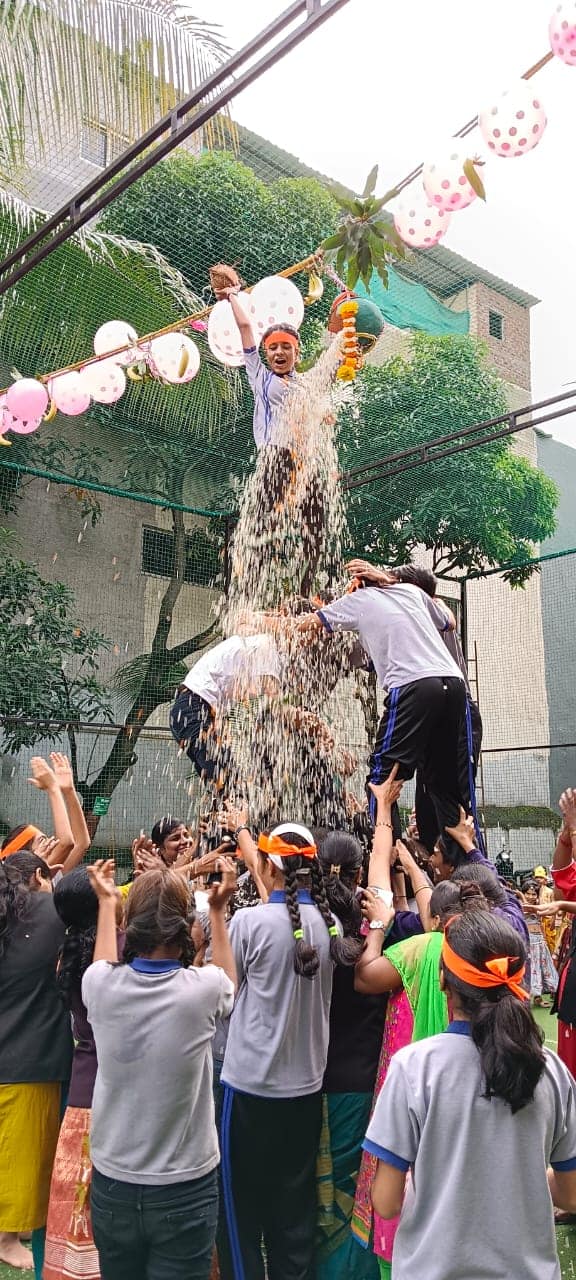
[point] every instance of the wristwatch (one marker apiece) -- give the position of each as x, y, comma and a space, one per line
377, 924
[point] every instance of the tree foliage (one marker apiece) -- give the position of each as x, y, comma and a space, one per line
475, 509
48, 659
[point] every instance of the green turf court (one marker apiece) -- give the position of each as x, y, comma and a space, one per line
566, 1235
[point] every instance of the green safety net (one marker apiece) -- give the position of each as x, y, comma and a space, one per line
408, 305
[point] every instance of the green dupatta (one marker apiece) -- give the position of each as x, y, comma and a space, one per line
417, 960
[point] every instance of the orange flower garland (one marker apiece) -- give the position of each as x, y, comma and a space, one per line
347, 371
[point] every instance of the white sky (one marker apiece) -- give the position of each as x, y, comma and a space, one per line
389, 83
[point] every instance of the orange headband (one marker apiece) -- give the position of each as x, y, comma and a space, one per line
275, 844
495, 975
19, 841
282, 335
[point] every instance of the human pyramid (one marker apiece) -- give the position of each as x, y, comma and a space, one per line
302, 1041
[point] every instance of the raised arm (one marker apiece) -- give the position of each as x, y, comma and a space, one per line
421, 887
102, 880
244, 325
386, 793
44, 779
565, 851
219, 896
80, 835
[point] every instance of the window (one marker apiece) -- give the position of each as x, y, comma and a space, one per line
495, 325
94, 144
101, 145
203, 555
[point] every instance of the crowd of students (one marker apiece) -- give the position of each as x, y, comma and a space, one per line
290, 1056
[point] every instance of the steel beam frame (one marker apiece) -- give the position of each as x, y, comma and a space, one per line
169, 132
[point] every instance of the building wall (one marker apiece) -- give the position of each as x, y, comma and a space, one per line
558, 586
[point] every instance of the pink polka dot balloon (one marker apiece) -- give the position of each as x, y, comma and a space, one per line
104, 381
170, 352
419, 223
275, 300
445, 182
69, 393
10, 422
562, 32
514, 124
27, 399
223, 333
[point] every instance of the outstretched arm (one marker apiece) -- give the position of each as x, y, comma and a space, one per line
244, 325
80, 835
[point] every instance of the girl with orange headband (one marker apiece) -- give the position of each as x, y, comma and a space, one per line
474, 1130
275, 1059
71, 839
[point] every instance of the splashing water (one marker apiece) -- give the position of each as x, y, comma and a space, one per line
287, 547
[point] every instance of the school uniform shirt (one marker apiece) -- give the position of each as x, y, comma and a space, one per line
35, 1029
396, 627
153, 1111
269, 391
278, 1036
215, 676
477, 1204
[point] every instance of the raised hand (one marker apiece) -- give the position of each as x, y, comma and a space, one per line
42, 775
220, 892
464, 832
387, 792
567, 804
62, 770
101, 876
374, 907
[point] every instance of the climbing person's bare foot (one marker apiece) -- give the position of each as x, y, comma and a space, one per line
14, 1253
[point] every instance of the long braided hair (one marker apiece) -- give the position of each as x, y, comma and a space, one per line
303, 871
77, 906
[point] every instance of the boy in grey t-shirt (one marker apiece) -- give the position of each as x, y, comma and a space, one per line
424, 725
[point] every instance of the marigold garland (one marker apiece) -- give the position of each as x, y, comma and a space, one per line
347, 371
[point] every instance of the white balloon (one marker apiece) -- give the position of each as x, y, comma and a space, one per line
104, 381
113, 334
168, 353
275, 300
223, 333
69, 393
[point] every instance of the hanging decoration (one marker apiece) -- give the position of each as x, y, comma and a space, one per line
451, 181
275, 300
104, 381
69, 393
351, 355
174, 357
562, 33
515, 123
223, 333
369, 320
27, 400
114, 334
420, 223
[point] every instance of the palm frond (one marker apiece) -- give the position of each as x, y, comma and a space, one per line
123, 63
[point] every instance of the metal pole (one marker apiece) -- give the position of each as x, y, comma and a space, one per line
73, 216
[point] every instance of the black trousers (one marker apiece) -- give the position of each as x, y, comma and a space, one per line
192, 723
269, 1148
427, 824
154, 1232
425, 727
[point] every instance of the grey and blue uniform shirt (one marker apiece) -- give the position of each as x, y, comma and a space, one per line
477, 1202
269, 391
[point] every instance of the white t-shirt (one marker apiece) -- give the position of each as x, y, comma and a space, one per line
153, 1108
241, 658
400, 629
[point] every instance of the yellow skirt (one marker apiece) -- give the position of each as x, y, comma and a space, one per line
29, 1124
